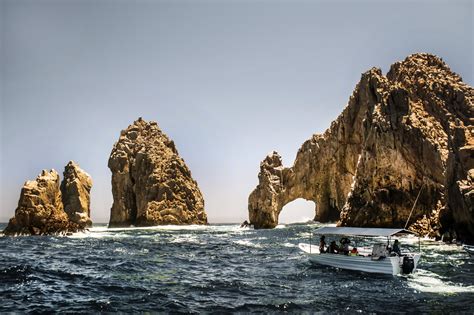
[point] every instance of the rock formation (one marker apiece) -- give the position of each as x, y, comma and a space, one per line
151, 184
75, 190
40, 209
406, 132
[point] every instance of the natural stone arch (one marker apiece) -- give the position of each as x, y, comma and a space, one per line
279, 186
300, 210
401, 136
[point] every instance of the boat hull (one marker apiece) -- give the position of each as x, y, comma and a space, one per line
387, 265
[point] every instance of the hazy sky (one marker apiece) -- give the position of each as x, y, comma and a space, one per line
229, 81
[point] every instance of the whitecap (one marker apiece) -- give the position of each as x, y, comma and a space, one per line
187, 239
430, 282
156, 227
247, 243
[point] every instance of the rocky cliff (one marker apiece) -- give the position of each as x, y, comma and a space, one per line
407, 133
75, 189
41, 208
151, 184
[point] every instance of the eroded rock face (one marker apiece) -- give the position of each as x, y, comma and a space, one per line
47, 208
75, 189
151, 184
408, 131
40, 209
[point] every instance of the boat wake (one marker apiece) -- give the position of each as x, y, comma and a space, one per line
430, 282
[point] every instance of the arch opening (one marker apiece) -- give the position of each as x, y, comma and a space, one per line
297, 211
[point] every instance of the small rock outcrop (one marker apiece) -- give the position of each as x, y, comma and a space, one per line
407, 133
41, 208
151, 184
75, 189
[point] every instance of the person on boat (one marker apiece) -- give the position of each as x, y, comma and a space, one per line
354, 252
396, 248
322, 244
333, 249
344, 247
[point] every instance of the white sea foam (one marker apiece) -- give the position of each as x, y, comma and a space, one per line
157, 227
247, 243
104, 231
187, 239
93, 234
430, 282
120, 250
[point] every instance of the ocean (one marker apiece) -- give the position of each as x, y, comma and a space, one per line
217, 269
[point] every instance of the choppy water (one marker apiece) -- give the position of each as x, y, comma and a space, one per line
218, 268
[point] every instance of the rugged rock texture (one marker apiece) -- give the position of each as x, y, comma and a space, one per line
75, 189
40, 209
151, 184
42, 204
408, 131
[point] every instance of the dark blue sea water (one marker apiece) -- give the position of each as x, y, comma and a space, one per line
218, 268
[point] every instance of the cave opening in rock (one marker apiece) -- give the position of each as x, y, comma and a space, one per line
296, 211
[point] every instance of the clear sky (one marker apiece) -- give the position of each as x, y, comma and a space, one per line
228, 81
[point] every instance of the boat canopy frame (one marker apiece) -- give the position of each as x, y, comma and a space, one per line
358, 231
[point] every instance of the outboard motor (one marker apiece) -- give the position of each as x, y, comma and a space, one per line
408, 264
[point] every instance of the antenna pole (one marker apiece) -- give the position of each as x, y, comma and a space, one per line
406, 224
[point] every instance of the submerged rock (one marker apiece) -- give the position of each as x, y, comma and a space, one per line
151, 184
400, 134
42, 204
75, 189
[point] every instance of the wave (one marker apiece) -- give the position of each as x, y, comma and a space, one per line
156, 227
247, 243
430, 282
121, 232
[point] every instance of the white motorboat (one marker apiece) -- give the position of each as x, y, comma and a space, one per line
376, 259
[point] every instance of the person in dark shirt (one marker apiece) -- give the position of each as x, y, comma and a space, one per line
333, 249
322, 244
396, 248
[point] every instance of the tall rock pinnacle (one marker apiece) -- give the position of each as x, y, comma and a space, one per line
75, 190
151, 184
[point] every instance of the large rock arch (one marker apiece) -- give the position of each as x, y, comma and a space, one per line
409, 131
323, 170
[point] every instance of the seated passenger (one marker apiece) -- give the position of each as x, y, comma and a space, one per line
396, 248
333, 249
322, 244
354, 252
344, 248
